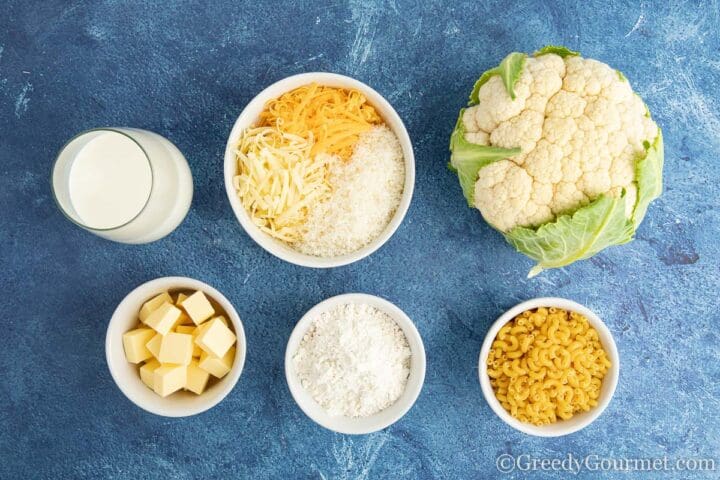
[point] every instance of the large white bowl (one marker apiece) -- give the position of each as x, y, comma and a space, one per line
579, 420
383, 418
250, 115
126, 374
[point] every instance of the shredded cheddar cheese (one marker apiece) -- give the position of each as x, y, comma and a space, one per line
331, 118
279, 179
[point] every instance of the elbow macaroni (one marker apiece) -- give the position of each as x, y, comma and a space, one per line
546, 365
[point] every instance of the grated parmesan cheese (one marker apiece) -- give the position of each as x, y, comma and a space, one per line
366, 193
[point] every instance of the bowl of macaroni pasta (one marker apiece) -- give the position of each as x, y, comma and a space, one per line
548, 367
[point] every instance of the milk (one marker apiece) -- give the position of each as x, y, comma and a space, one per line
123, 184
110, 181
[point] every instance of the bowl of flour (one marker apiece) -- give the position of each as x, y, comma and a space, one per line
355, 363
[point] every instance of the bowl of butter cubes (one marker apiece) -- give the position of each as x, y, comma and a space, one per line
175, 346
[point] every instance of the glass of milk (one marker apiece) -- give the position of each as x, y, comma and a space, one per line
123, 184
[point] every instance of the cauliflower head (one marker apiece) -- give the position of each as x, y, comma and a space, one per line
558, 154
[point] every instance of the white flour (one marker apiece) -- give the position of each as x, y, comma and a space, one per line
354, 360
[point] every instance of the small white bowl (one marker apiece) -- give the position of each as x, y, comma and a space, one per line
382, 419
126, 374
250, 115
579, 420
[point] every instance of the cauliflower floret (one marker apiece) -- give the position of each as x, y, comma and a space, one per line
580, 129
505, 188
495, 106
523, 130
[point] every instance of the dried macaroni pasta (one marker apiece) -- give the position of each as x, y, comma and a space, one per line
546, 365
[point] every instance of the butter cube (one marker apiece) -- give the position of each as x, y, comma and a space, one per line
197, 378
198, 307
190, 330
154, 345
202, 327
184, 319
199, 329
216, 338
180, 298
176, 348
147, 372
169, 378
218, 367
134, 344
153, 304
164, 318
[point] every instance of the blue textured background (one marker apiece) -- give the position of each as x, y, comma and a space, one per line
185, 70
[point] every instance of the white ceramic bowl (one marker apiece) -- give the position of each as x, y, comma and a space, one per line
578, 421
383, 418
126, 374
250, 115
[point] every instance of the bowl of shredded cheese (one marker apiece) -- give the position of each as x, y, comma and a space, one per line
319, 170
355, 363
549, 367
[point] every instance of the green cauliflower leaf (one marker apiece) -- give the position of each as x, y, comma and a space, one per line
509, 70
557, 50
468, 158
648, 175
574, 237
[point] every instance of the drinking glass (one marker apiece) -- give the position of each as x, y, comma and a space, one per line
162, 191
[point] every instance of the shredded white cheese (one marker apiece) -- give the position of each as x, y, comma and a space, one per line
354, 360
278, 181
366, 193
